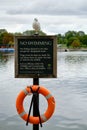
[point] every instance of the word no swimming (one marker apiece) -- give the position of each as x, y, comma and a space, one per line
35, 43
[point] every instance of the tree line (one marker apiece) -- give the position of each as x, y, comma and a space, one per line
71, 39
7, 39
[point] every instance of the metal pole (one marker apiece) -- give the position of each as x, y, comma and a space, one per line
35, 104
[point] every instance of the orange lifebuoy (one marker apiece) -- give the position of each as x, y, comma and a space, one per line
44, 117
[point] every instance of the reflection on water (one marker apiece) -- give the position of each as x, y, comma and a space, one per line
73, 64
69, 90
3, 58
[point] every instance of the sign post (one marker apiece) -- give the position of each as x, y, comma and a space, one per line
35, 57
36, 104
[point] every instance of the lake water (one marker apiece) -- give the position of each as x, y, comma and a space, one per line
69, 90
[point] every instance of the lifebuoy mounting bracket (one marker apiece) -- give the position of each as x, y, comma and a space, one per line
32, 100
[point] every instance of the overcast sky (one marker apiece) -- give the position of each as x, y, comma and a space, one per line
55, 16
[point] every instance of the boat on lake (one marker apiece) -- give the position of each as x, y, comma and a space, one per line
7, 50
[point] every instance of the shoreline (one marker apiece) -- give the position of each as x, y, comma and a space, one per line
71, 49
58, 48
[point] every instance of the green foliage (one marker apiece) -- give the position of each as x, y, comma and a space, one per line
69, 39
61, 39
7, 39
32, 32
76, 44
70, 34
83, 39
18, 33
2, 31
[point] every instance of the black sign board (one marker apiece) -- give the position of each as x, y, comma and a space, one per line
35, 56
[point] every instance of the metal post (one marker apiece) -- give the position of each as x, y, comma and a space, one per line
35, 104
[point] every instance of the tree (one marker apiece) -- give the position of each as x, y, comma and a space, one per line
83, 39
70, 40
1, 36
3, 31
1, 39
7, 38
61, 39
18, 34
70, 34
80, 33
76, 44
32, 32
